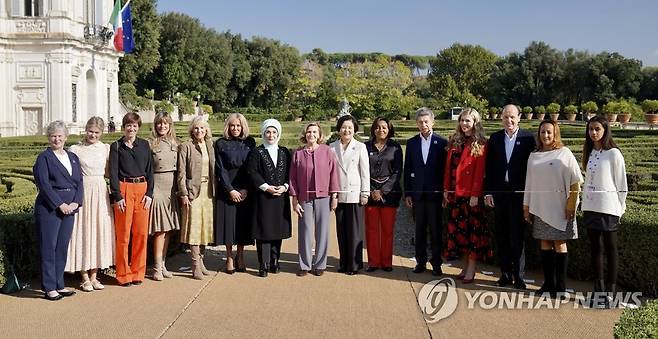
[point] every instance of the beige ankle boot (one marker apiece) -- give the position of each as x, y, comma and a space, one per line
157, 269
202, 253
196, 262
166, 273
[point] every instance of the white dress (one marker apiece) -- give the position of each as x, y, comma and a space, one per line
92, 241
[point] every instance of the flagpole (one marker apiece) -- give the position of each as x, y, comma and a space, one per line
124, 6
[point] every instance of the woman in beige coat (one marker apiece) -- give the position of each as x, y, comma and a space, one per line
196, 162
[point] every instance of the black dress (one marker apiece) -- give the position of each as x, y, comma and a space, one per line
270, 214
232, 220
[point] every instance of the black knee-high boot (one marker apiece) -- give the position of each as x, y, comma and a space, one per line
548, 264
561, 260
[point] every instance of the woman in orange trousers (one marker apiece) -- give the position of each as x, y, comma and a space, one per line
131, 186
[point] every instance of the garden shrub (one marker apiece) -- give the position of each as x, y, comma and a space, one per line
638, 323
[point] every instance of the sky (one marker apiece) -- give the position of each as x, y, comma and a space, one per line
424, 27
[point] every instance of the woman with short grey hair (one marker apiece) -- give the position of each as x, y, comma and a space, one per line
58, 177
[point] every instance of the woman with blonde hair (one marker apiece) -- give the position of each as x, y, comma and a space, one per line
463, 194
314, 190
92, 241
164, 217
196, 188
550, 199
232, 212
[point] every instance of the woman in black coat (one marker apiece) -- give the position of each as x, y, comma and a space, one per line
269, 168
232, 211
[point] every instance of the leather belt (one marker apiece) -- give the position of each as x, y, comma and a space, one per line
134, 180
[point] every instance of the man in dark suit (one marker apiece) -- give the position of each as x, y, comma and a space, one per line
424, 164
507, 158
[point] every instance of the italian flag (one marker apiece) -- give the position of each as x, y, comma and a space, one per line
121, 20
116, 22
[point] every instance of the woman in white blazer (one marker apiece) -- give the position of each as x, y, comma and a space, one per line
354, 180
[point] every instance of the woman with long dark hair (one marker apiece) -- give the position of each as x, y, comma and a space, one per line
385, 158
604, 199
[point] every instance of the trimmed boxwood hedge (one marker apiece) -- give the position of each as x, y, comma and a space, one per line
638, 323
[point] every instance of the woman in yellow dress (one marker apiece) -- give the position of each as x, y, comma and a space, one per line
196, 163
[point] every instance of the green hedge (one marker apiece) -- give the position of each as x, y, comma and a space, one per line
18, 245
638, 323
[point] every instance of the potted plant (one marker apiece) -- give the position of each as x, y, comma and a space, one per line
541, 112
493, 112
590, 108
650, 108
624, 109
611, 110
553, 109
570, 112
527, 110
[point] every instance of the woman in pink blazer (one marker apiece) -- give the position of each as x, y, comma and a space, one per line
313, 187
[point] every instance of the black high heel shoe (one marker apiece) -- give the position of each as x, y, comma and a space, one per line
238, 268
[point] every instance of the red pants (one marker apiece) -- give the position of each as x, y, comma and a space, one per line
134, 220
379, 235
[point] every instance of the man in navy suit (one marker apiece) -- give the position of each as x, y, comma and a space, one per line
424, 163
507, 158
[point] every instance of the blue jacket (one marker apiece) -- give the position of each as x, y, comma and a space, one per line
497, 164
422, 177
54, 183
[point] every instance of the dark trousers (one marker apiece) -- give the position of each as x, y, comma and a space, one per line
54, 235
510, 233
268, 251
427, 215
349, 221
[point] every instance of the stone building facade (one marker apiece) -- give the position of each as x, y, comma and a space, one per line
57, 62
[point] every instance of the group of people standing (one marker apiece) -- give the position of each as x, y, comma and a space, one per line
232, 192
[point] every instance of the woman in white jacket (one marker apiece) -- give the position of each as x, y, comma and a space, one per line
354, 179
604, 199
549, 203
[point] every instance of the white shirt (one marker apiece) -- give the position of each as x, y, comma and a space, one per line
605, 187
548, 180
509, 148
64, 159
425, 146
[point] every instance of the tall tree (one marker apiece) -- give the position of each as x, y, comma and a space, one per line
135, 68
459, 75
193, 59
376, 87
273, 67
468, 67
649, 86
241, 75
